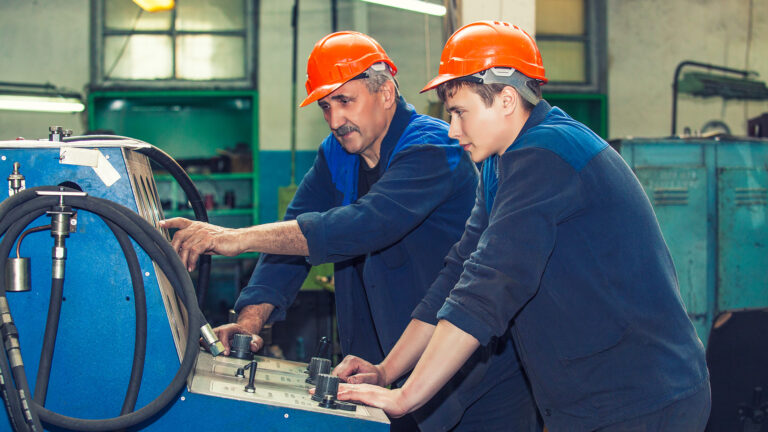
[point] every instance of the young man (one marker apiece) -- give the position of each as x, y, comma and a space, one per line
563, 249
388, 195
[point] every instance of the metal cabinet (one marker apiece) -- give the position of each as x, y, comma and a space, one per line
711, 199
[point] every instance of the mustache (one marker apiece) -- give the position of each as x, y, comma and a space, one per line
345, 129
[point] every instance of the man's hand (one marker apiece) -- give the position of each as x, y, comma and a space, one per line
196, 238
391, 401
226, 332
355, 370
250, 320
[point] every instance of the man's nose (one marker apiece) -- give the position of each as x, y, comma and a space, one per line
336, 119
454, 131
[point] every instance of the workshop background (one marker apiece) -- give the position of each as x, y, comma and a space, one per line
217, 86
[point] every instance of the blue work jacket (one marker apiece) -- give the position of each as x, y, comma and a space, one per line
403, 226
563, 249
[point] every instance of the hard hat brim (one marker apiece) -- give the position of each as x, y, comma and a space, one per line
319, 93
436, 81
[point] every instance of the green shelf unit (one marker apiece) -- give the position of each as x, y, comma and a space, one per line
588, 108
188, 124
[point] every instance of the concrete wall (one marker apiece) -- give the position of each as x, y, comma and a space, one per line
43, 42
648, 38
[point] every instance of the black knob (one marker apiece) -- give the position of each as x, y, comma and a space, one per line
327, 385
317, 366
241, 346
323, 348
250, 387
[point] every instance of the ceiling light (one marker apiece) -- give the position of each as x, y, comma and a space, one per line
38, 97
155, 5
412, 5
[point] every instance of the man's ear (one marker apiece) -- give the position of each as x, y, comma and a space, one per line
388, 93
509, 99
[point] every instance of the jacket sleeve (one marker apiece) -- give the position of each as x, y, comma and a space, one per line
417, 181
277, 278
427, 309
537, 191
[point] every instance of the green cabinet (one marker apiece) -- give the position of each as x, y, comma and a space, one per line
213, 135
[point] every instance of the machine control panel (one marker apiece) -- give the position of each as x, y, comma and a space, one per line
276, 382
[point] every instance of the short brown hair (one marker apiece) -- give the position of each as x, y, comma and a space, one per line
487, 92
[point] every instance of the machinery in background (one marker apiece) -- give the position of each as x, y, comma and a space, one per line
724, 85
711, 200
96, 188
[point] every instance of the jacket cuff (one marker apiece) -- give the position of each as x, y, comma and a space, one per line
462, 318
257, 294
423, 312
311, 225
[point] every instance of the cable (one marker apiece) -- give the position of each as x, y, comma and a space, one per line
159, 250
27, 232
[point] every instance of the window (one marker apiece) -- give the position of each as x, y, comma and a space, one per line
199, 43
571, 37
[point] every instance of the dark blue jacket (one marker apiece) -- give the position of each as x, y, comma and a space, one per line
404, 226
563, 247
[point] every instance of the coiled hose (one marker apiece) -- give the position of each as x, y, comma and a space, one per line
15, 214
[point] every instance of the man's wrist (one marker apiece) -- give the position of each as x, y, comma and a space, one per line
253, 317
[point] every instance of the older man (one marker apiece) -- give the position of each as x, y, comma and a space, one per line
387, 197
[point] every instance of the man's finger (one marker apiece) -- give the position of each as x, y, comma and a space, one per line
256, 343
363, 378
177, 222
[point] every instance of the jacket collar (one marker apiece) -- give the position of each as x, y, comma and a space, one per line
538, 113
400, 121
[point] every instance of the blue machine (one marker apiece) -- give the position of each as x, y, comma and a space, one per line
711, 200
94, 349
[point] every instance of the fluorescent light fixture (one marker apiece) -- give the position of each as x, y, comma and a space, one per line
412, 5
155, 5
38, 97
41, 103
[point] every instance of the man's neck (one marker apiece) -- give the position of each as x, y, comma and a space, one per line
372, 155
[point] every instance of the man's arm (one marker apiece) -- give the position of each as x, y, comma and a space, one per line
197, 238
418, 181
398, 362
448, 349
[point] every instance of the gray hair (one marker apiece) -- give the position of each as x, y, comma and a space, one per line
377, 75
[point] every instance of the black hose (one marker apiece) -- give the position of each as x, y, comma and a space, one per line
140, 305
187, 185
159, 250
11, 398
49, 340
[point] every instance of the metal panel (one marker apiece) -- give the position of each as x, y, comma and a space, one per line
679, 197
742, 238
711, 200
94, 348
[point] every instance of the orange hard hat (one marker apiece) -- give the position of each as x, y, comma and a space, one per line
483, 45
339, 57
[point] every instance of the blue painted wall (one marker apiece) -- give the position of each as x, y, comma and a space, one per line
274, 173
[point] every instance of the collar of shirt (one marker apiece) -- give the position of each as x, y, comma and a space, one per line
400, 121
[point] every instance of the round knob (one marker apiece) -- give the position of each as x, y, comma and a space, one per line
241, 346
327, 385
317, 365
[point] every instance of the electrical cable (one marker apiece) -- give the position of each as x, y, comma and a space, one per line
155, 245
